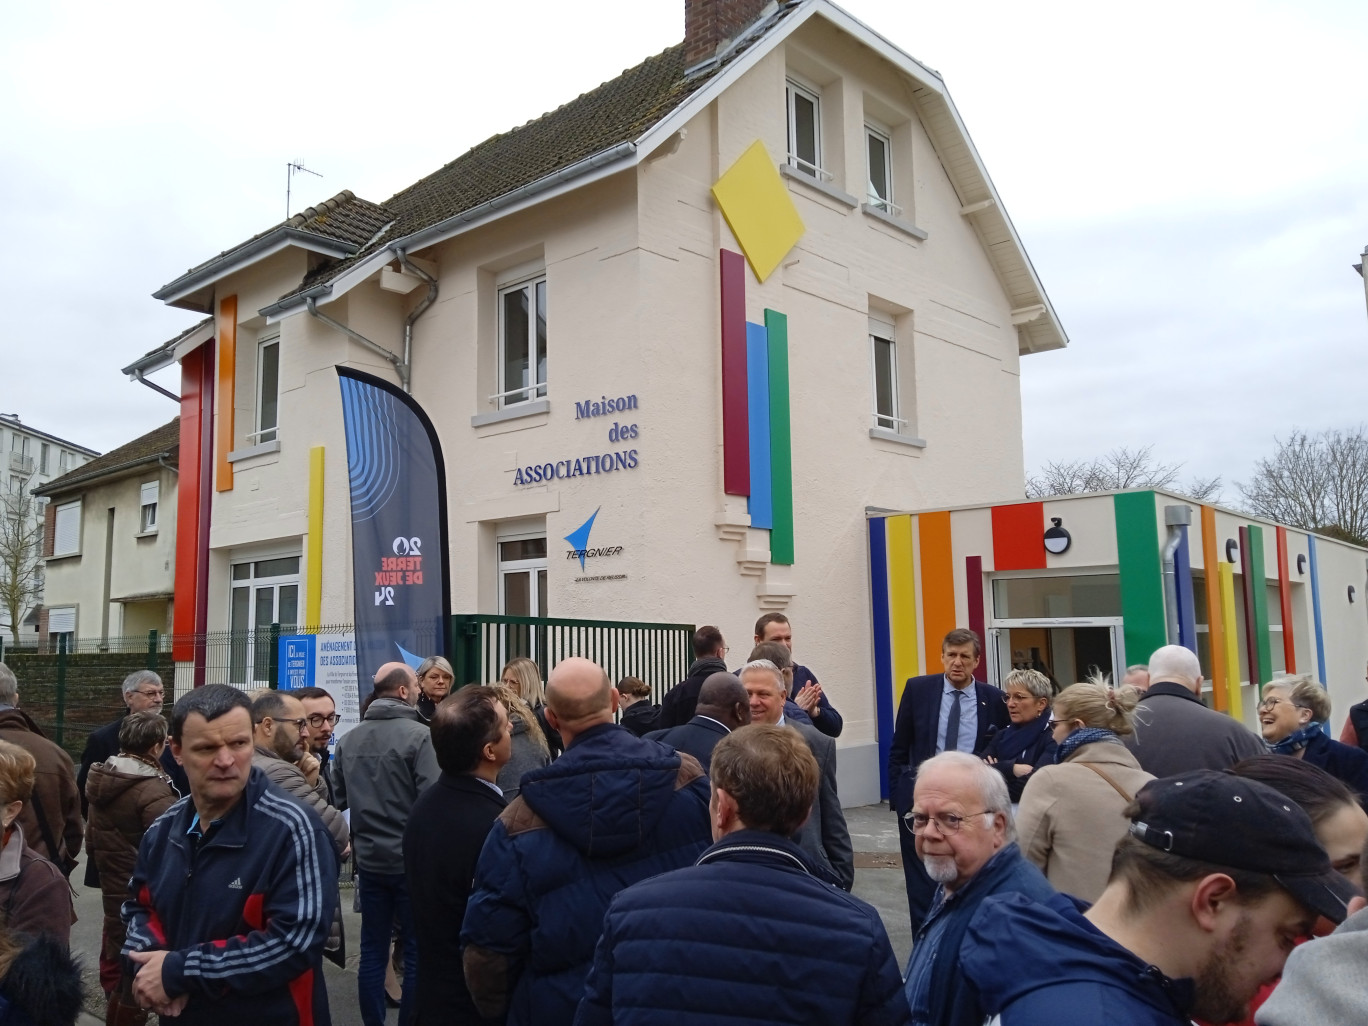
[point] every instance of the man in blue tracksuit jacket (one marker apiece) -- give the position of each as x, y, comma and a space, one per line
234, 889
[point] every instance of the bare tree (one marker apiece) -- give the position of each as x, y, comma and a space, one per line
1123, 467
21, 537
1315, 482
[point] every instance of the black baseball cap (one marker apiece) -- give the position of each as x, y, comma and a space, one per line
1217, 817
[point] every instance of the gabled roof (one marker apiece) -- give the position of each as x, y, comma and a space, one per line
161, 443
166, 353
616, 126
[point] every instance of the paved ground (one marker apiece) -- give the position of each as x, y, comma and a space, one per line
878, 880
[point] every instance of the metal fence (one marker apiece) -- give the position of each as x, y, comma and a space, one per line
657, 653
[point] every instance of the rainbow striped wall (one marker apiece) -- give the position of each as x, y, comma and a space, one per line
924, 581
757, 441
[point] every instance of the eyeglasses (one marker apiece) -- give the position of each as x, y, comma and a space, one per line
1056, 723
318, 719
299, 724
946, 822
511, 683
159, 694
1272, 702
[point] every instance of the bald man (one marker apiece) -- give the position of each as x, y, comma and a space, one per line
381, 767
613, 810
723, 705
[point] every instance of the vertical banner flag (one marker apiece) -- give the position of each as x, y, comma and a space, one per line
399, 521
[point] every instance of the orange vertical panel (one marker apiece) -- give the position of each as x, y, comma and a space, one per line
937, 581
1285, 602
1216, 627
227, 376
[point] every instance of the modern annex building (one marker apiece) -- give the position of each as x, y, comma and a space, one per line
721, 305
1076, 584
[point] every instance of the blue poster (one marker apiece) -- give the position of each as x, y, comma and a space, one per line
399, 526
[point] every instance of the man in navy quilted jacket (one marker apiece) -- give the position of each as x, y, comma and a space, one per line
613, 810
751, 933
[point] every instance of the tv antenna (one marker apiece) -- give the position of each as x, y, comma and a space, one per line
291, 169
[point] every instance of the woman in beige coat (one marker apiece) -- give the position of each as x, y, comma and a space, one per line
1072, 813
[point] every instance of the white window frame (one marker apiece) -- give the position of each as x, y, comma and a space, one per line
264, 432
793, 89
515, 393
248, 651
46, 453
149, 498
54, 637
75, 550
885, 138
881, 331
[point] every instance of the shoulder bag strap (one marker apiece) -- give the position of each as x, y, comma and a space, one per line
43, 826
1115, 786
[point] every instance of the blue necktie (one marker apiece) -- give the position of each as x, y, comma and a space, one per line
952, 724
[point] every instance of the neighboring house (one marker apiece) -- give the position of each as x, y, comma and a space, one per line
554, 300
109, 542
30, 458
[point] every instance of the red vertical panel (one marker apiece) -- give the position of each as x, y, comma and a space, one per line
187, 506
735, 424
973, 583
1019, 536
1285, 602
206, 514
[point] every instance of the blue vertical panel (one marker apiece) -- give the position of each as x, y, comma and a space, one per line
1316, 609
761, 502
1182, 579
883, 646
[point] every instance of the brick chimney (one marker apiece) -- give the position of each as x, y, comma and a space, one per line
709, 24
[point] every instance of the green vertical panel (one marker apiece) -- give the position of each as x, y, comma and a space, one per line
1260, 586
781, 439
1142, 583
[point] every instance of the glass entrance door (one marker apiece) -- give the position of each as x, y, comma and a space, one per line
1065, 651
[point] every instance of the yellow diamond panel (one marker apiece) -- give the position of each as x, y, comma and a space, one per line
758, 210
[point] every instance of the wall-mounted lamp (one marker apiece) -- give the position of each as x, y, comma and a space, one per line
1056, 538
1232, 551
1351, 594
1301, 564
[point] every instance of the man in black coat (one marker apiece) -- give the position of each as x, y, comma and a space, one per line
710, 654
722, 707
940, 712
473, 739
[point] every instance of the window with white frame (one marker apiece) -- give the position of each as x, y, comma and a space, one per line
878, 153
45, 456
805, 129
66, 529
264, 592
62, 627
267, 392
64, 462
522, 591
522, 342
147, 518
883, 349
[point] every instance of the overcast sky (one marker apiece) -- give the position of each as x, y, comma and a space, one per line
1190, 180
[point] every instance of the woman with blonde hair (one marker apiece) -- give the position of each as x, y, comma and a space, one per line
435, 677
1025, 745
522, 675
34, 895
1292, 718
1071, 813
530, 750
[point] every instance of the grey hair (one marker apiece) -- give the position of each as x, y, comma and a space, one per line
1032, 680
768, 667
9, 686
436, 661
138, 678
140, 732
1175, 661
1305, 692
992, 788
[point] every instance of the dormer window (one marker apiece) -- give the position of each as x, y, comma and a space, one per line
805, 129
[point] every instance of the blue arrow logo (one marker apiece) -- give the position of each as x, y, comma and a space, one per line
579, 537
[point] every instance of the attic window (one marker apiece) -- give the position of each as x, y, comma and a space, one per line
805, 129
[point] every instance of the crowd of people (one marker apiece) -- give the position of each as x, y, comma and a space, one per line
537, 852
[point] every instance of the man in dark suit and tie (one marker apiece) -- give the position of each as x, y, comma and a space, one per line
941, 712
722, 707
446, 829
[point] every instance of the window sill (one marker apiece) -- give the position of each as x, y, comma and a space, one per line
254, 450
146, 534
63, 555
511, 413
884, 435
906, 227
830, 191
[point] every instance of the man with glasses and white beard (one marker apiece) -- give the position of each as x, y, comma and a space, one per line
961, 818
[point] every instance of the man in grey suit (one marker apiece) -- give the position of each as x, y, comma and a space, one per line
824, 836
722, 707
